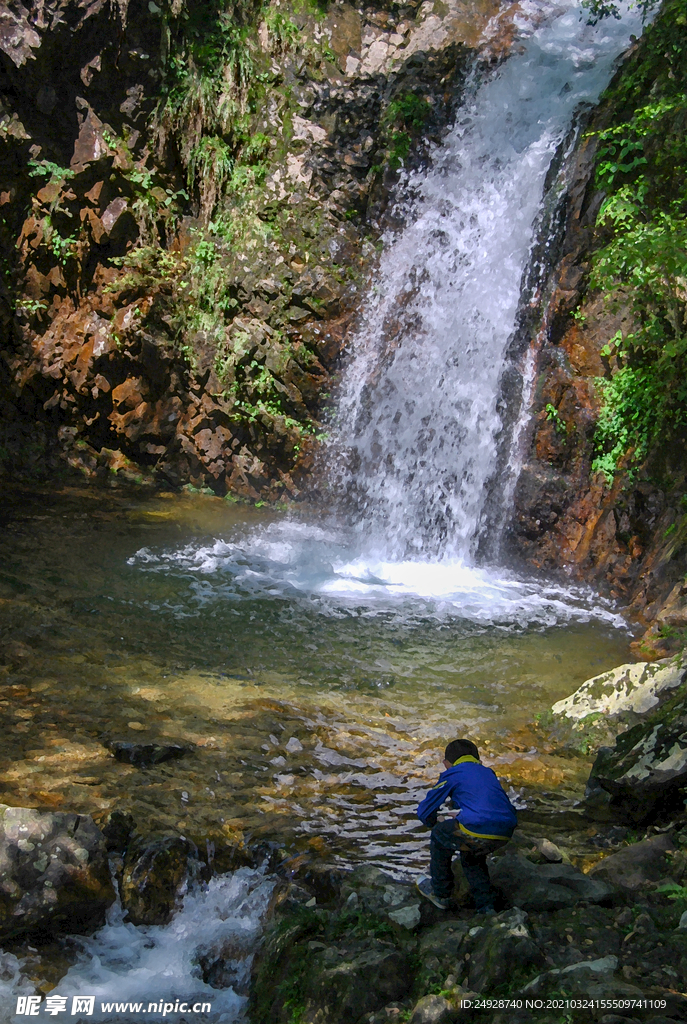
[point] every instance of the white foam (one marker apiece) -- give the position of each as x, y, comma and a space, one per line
296, 560
151, 964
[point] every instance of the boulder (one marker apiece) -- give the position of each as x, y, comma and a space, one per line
54, 875
622, 696
637, 867
155, 874
360, 984
500, 944
537, 887
593, 979
441, 949
645, 773
379, 893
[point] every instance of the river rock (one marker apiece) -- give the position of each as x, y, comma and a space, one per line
593, 979
379, 893
536, 887
359, 984
645, 773
637, 867
432, 1010
156, 872
54, 875
440, 949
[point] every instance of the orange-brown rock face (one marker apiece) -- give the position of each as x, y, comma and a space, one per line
140, 338
626, 538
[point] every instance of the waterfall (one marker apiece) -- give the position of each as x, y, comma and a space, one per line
418, 424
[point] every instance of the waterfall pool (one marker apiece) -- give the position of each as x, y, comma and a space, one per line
313, 686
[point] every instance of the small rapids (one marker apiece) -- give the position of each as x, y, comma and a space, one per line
215, 933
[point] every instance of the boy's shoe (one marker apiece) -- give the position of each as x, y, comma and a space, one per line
424, 887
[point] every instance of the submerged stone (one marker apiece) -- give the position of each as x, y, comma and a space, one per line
143, 755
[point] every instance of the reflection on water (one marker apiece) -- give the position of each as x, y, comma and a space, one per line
313, 686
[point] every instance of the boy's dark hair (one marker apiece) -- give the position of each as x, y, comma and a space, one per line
460, 748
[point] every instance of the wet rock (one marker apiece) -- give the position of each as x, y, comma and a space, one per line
54, 875
155, 875
118, 831
432, 1010
536, 887
645, 773
637, 867
144, 755
505, 940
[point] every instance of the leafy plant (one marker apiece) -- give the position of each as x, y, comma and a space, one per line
553, 415
641, 266
599, 9
675, 892
405, 117
282, 31
48, 169
209, 167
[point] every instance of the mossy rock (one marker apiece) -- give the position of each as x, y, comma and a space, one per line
646, 771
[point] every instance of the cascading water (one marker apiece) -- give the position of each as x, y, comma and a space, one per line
418, 420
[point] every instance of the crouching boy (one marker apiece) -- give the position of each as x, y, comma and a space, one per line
485, 822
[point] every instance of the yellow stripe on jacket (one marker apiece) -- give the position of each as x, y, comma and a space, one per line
480, 835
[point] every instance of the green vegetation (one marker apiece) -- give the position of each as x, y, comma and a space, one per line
50, 170
641, 267
553, 416
403, 119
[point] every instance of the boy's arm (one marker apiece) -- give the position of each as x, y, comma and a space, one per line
427, 810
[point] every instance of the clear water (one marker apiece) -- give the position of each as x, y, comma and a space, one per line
238, 631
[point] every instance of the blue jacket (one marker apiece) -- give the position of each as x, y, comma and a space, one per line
485, 810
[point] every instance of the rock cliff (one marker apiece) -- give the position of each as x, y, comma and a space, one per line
626, 533
192, 196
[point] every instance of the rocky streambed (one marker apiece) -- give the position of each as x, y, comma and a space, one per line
590, 922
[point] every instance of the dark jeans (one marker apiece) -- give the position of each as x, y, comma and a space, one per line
446, 840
